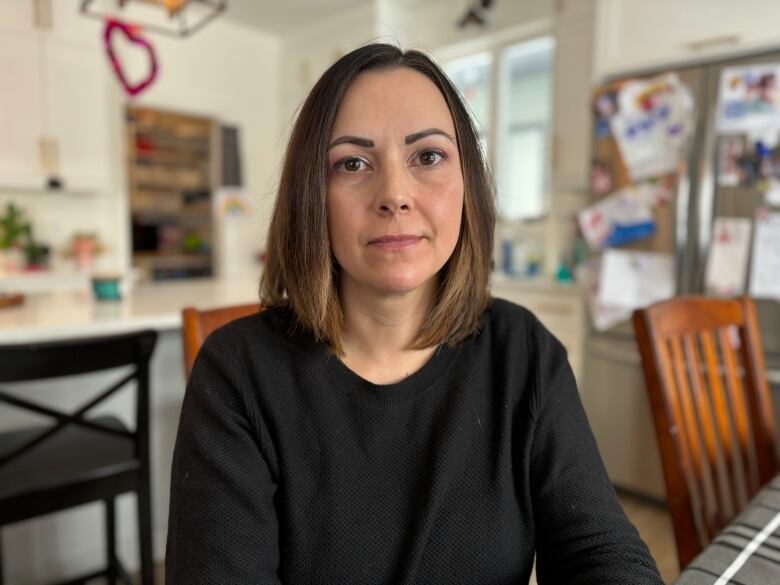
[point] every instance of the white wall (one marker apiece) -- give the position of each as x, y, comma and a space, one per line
307, 53
433, 24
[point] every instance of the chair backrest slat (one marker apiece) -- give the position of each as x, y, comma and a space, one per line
715, 465
725, 429
712, 411
760, 400
692, 435
736, 395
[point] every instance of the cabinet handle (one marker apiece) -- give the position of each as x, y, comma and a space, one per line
710, 42
55, 156
47, 11
43, 155
42, 14
36, 15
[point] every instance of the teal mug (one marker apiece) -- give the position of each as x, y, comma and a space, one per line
106, 288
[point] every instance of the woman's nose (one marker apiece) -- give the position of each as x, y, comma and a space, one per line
393, 191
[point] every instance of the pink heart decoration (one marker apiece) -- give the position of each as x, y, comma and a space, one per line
132, 33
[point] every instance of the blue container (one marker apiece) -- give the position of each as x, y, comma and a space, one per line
106, 288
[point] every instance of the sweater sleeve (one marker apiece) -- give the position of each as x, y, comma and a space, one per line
223, 527
582, 534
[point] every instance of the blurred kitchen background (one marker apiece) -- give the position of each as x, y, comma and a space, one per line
634, 145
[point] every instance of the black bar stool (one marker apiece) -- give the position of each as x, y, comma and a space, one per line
79, 459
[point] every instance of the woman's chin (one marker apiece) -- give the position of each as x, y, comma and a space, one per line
403, 284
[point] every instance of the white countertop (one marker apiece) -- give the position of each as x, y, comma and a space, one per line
540, 284
70, 314
62, 314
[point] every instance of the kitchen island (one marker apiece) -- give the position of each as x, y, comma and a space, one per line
70, 314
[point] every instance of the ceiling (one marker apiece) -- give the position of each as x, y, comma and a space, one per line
285, 16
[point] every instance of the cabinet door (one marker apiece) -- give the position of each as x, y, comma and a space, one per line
571, 98
65, 21
19, 15
634, 35
20, 110
76, 113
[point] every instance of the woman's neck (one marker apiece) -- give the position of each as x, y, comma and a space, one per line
379, 329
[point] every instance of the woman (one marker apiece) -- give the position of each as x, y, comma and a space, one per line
385, 421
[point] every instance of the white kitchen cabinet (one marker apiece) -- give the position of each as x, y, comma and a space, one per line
636, 34
62, 19
573, 30
66, 22
54, 111
20, 110
19, 15
560, 308
76, 113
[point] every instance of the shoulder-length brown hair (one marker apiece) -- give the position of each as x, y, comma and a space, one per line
301, 271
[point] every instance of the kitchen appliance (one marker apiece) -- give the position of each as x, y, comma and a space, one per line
613, 391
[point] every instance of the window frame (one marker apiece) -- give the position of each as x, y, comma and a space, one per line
498, 48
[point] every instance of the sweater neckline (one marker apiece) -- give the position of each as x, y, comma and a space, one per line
430, 375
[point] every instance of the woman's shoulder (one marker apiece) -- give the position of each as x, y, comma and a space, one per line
270, 330
510, 323
506, 317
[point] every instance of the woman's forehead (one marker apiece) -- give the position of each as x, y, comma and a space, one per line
399, 100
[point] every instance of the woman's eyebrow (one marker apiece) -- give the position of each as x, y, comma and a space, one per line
427, 132
357, 140
368, 143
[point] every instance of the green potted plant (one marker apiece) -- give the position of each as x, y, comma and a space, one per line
15, 232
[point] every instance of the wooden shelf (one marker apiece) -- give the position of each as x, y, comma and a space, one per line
171, 166
162, 260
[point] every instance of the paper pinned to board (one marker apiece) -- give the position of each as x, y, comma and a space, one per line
652, 125
622, 217
603, 316
765, 271
727, 264
772, 193
632, 279
748, 98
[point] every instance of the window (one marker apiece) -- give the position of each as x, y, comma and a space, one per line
514, 117
471, 76
523, 161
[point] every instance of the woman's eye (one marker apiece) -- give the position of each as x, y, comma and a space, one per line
352, 165
430, 157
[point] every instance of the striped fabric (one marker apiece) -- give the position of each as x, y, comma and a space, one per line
747, 552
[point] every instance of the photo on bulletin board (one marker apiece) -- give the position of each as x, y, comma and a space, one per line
748, 98
749, 160
731, 149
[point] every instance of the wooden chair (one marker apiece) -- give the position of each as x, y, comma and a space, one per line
197, 325
705, 373
79, 458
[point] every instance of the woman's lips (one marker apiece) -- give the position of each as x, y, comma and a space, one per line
399, 242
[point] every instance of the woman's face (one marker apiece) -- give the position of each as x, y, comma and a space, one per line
395, 187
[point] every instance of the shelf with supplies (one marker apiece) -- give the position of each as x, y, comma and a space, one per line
171, 169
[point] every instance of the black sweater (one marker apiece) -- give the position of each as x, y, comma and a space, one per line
290, 468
